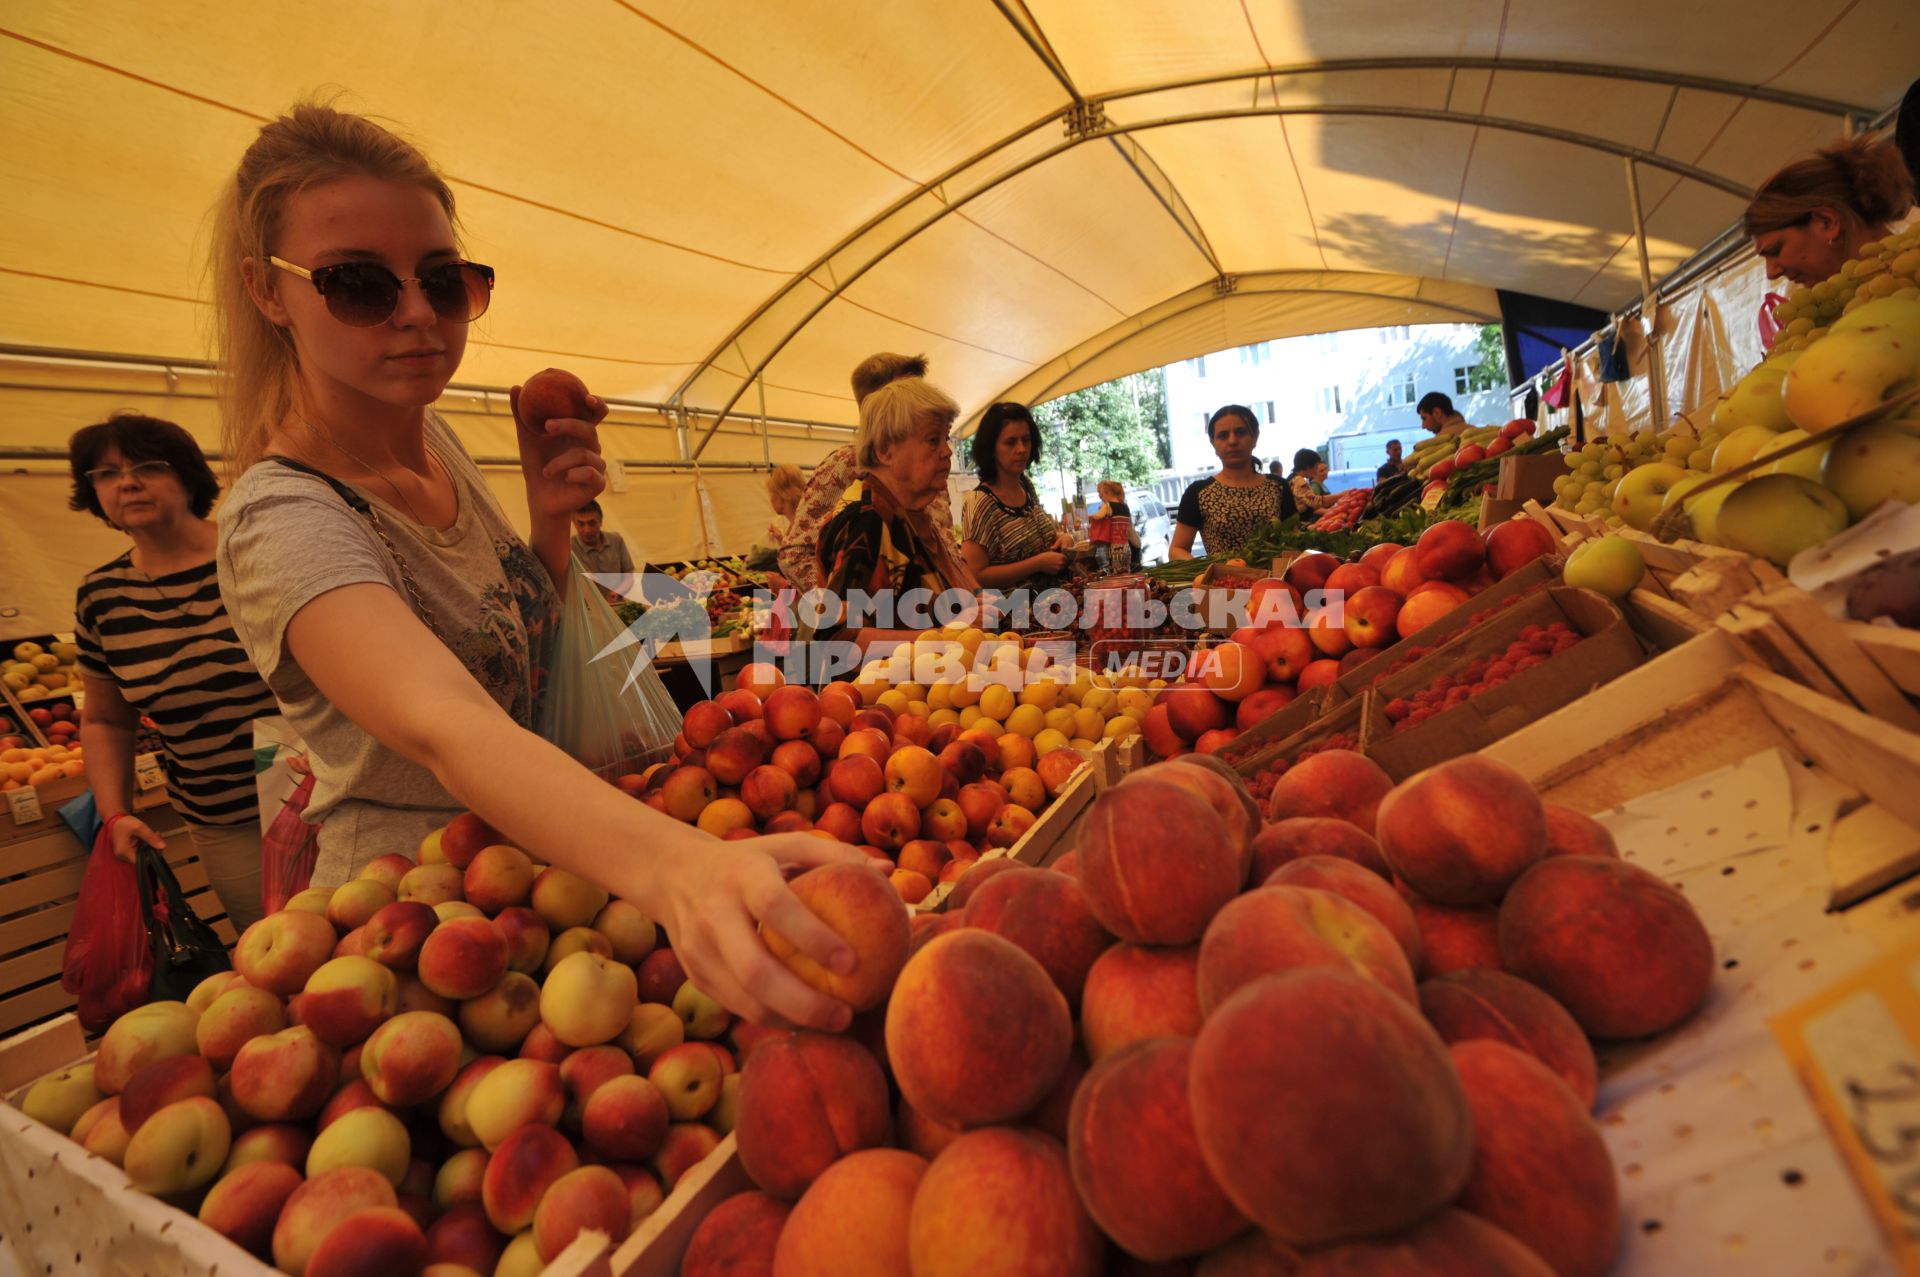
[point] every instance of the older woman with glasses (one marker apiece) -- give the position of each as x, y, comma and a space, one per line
155, 641
879, 536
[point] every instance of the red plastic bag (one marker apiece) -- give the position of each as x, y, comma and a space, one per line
109, 963
288, 850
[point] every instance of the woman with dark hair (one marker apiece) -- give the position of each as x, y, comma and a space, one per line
1815, 215
1008, 538
1307, 483
155, 640
1229, 509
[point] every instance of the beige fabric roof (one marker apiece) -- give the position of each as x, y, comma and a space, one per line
684, 196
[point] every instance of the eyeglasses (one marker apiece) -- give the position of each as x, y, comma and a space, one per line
145, 471
363, 294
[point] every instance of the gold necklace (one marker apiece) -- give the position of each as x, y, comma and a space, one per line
368, 466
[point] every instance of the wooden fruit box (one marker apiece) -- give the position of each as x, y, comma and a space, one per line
1051, 836
1347, 717
57, 1200
1775, 807
1535, 576
1296, 716
1699, 707
1787, 630
39, 881
1609, 647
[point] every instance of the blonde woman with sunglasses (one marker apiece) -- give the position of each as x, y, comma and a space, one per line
396, 615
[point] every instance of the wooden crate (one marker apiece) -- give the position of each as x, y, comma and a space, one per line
39, 882
1701, 707
56, 1200
1052, 834
1346, 717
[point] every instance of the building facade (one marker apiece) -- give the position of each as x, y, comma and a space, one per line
1345, 394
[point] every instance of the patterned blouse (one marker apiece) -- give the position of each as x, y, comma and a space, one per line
1009, 533
871, 543
799, 548
1308, 495
1227, 518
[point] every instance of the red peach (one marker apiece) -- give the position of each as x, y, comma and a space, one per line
1156, 861
1449, 1244
1461, 832
1136, 1159
1001, 1200
244, 1204
377, 1239
1367, 889
317, 1207
1455, 939
738, 1236
857, 903
1573, 833
528, 1162
1618, 947
1349, 1056
1540, 1168
1046, 914
464, 957
853, 1218
1273, 929
1135, 992
1298, 836
1337, 783
395, 933
464, 1236
590, 1197
1468, 1005
804, 1103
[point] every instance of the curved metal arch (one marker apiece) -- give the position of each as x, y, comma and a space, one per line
1201, 302
948, 207
1334, 66
1547, 66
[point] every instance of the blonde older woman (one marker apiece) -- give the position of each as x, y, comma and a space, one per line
879, 536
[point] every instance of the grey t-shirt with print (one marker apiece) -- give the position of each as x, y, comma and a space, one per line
286, 538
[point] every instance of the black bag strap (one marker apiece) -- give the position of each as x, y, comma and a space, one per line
361, 506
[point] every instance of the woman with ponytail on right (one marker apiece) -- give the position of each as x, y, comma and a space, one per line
1815, 215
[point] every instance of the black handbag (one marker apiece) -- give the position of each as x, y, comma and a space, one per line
185, 949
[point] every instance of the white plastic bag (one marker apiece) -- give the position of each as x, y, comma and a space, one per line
602, 703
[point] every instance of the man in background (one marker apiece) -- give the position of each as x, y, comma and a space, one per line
1437, 415
599, 550
1394, 465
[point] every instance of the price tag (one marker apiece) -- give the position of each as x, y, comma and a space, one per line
147, 772
1431, 499
1856, 1048
24, 803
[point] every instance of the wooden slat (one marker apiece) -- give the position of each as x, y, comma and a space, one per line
58, 883
31, 928
656, 1247
1778, 650
17, 1009
1666, 623
43, 1049
1878, 759
33, 966
1889, 919
1712, 586
1863, 681
1869, 850
1894, 650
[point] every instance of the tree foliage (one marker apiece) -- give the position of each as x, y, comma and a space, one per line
1490, 371
1116, 430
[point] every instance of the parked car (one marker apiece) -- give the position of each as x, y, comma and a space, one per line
1153, 522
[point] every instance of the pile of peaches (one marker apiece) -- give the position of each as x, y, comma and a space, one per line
1389, 593
924, 799
463, 1061
1349, 1034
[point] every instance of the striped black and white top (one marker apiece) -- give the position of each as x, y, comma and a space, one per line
167, 644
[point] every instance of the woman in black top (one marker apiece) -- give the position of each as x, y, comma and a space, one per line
155, 641
1229, 509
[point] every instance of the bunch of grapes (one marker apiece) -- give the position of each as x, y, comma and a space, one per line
1887, 267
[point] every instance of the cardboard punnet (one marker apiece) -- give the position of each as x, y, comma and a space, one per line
1608, 649
1529, 477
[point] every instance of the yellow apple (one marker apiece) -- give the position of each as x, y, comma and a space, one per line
1778, 515
1740, 447
1846, 373
58, 1101
1805, 463
1639, 495
1873, 463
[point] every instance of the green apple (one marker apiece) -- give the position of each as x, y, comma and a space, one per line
1805, 463
1641, 492
1609, 565
1776, 516
1874, 463
1740, 447
1846, 373
1755, 398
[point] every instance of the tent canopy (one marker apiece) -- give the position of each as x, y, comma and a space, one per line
725, 206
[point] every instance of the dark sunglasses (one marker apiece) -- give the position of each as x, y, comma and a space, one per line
363, 294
